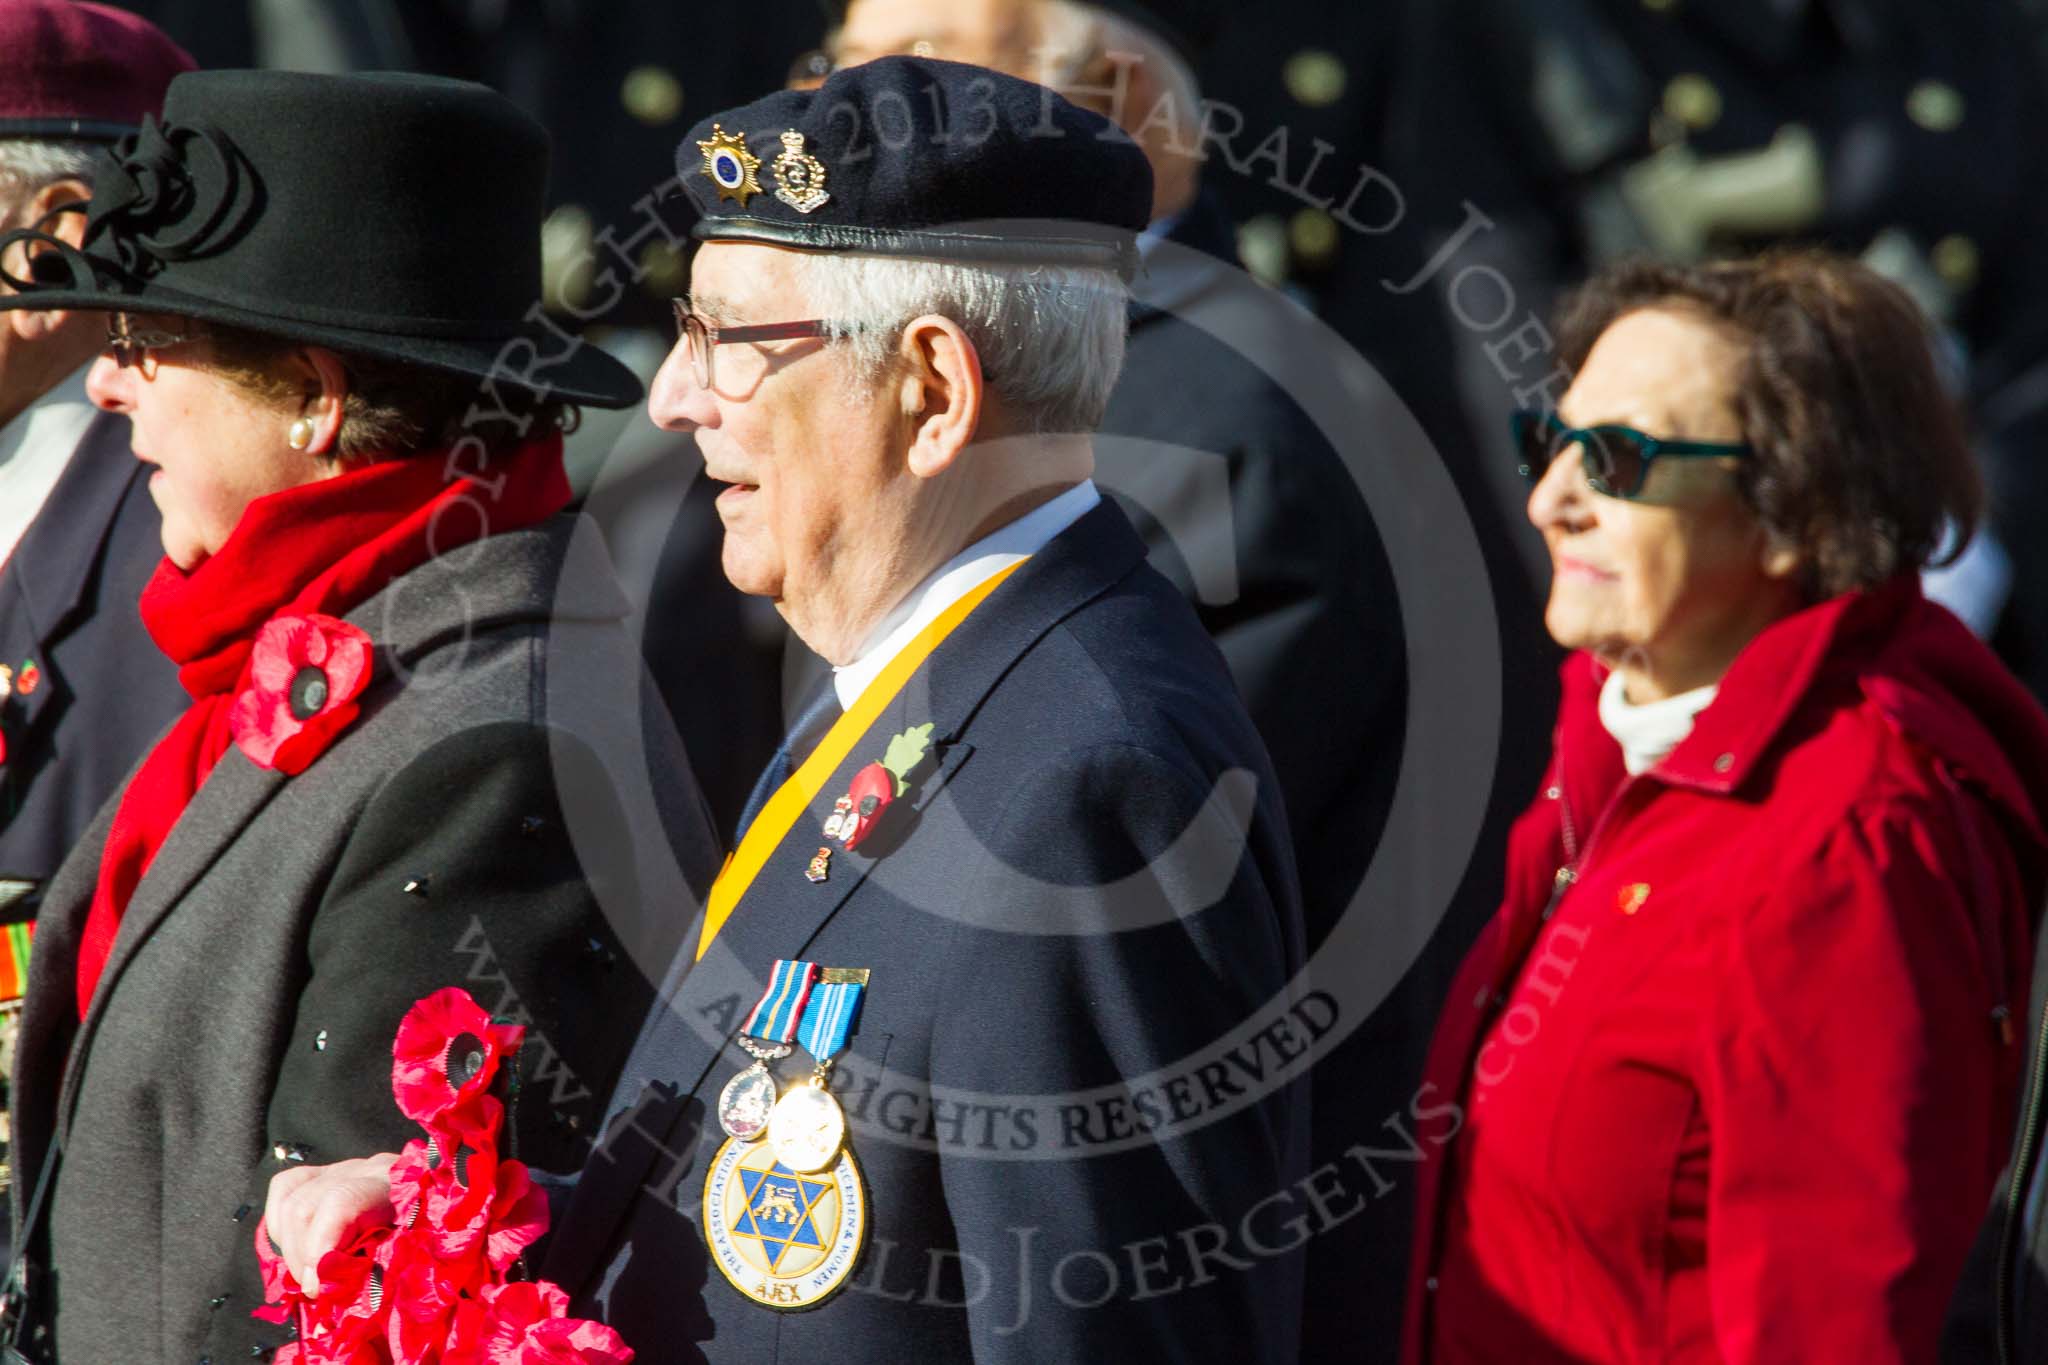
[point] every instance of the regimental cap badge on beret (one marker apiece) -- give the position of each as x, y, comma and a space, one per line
799, 176
730, 165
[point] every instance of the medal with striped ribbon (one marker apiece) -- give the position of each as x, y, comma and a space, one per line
767, 1036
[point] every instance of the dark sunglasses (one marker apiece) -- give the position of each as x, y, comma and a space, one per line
1616, 459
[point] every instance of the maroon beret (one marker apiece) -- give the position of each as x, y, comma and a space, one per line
75, 70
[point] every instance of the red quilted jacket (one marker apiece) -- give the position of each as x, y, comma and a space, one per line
1737, 1057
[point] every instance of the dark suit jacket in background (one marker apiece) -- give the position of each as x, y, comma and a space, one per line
68, 601
1080, 720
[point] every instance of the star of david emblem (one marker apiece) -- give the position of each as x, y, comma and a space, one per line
778, 1212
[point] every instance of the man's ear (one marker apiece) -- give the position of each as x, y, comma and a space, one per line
61, 194
40, 212
941, 390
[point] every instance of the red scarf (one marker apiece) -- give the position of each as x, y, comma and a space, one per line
322, 547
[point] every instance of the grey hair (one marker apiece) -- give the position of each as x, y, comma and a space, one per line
28, 164
1050, 338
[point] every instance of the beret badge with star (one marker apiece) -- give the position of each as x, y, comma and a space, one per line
730, 165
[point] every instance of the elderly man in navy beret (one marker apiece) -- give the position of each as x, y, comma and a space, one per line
82, 689
988, 1043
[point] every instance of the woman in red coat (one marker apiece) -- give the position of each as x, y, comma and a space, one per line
1737, 1057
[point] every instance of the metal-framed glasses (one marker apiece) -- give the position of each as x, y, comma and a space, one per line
1616, 459
701, 337
130, 345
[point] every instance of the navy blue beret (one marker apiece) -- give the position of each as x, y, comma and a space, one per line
906, 156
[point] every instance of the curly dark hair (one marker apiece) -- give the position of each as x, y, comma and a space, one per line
1861, 457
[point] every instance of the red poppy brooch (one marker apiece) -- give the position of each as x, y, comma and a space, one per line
441, 1282
855, 814
304, 678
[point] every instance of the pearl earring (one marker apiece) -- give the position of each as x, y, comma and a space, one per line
301, 434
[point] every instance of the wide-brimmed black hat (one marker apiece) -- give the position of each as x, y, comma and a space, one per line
385, 215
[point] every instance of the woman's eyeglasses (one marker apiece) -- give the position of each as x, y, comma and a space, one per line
130, 345
1616, 459
701, 336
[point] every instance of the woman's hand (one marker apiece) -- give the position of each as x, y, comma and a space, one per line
310, 1209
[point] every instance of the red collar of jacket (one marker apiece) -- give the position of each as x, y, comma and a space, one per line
1911, 659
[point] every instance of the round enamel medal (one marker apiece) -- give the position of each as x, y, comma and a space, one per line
787, 1239
806, 1128
744, 1104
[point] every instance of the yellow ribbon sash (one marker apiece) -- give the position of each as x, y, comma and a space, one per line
792, 798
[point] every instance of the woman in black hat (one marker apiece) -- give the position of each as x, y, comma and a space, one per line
415, 755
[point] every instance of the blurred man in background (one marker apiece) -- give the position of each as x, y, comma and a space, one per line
1249, 509
1539, 141
83, 691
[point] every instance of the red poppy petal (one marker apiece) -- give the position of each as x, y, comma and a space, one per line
260, 724
519, 1215
419, 1054
277, 653
295, 752
349, 656
513, 1311
575, 1341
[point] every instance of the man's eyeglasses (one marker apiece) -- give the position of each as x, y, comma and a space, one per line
130, 345
1616, 459
701, 336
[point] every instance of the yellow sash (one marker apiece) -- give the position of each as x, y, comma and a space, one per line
793, 797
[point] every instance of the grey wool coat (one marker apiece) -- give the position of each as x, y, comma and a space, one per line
507, 814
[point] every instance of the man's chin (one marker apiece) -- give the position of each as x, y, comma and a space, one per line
749, 576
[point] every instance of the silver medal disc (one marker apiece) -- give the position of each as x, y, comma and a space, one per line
806, 1128
746, 1102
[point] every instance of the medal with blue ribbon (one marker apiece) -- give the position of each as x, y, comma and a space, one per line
768, 1036
806, 1129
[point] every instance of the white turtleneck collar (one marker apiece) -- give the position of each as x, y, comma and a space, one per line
1650, 730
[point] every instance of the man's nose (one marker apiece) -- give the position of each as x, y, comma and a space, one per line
675, 400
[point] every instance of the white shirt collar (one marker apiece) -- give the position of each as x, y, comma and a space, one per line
35, 449
1648, 731
957, 577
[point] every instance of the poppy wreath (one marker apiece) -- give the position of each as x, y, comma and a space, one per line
305, 674
441, 1283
